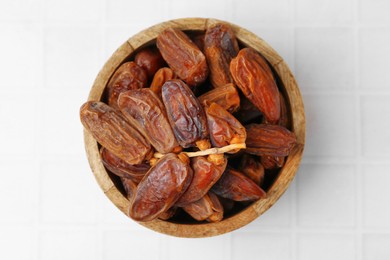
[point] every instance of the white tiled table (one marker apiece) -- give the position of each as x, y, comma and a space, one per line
336, 208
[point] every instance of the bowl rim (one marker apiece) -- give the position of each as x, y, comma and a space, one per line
288, 171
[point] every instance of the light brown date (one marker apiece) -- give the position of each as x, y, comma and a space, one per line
161, 187
206, 173
252, 168
128, 76
220, 46
144, 110
273, 140
225, 96
161, 76
185, 113
121, 168
236, 186
224, 128
112, 131
150, 60
183, 56
253, 76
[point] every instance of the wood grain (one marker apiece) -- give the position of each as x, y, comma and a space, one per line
293, 96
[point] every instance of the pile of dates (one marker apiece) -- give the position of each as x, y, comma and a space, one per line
193, 125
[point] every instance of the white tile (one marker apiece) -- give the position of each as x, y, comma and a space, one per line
276, 11
69, 192
329, 11
261, 245
374, 11
326, 195
194, 248
125, 244
376, 246
20, 10
18, 190
61, 128
376, 208
21, 56
374, 53
72, 57
123, 11
330, 125
73, 10
326, 246
375, 126
324, 58
202, 8
18, 115
17, 244
68, 244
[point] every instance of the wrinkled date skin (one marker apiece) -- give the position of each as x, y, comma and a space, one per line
236, 186
225, 96
273, 140
161, 187
252, 168
206, 208
185, 113
128, 76
220, 46
206, 174
183, 56
161, 76
121, 168
144, 109
112, 131
224, 128
130, 187
150, 60
253, 76
272, 162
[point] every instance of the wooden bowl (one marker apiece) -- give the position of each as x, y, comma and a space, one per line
287, 173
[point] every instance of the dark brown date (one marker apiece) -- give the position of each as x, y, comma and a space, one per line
185, 113
273, 140
128, 76
150, 60
121, 168
225, 96
224, 128
112, 131
284, 119
206, 208
183, 56
161, 76
130, 187
272, 162
252, 168
254, 77
144, 109
236, 186
168, 214
161, 187
206, 173
220, 47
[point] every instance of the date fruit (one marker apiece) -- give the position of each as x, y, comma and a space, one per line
112, 131
161, 76
128, 76
220, 47
236, 186
144, 109
130, 187
183, 56
206, 173
273, 140
253, 76
161, 187
272, 162
150, 60
252, 168
206, 208
225, 96
121, 168
224, 128
185, 113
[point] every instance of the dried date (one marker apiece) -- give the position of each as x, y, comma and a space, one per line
150, 60
130, 187
272, 162
252, 168
225, 96
112, 131
253, 76
161, 76
206, 208
144, 109
183, 56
